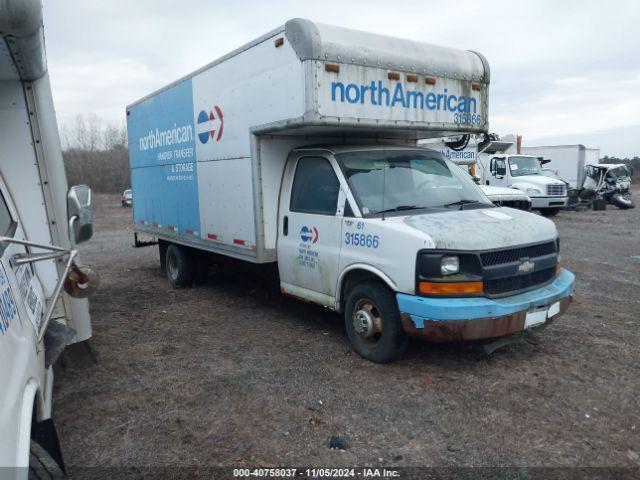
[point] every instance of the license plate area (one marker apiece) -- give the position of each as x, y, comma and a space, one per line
538, 316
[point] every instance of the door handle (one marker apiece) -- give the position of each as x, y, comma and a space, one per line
285, 225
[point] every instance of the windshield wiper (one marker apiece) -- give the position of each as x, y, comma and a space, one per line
461, 203
398, 208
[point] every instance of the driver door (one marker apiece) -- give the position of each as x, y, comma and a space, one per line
310, 221
498, 168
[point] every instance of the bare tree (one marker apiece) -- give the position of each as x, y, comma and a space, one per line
97, 155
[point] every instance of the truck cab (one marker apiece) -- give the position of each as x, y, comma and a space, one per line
403, 243
525, 173
41, 220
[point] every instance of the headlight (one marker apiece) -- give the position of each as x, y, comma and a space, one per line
450, 265
533, 190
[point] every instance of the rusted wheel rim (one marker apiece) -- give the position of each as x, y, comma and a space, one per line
367, 321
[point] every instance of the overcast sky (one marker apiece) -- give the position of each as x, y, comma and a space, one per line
561, 71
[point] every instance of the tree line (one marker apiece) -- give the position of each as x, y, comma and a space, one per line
96, 154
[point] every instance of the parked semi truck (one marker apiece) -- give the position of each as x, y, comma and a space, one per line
300, 149
41, 220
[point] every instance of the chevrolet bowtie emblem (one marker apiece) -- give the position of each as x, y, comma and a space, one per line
526, 266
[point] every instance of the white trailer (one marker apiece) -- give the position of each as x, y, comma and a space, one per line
569, 162
40, 222
299, 149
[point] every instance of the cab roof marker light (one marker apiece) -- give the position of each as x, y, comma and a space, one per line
412, 78
279, 42
393, 76
332, 67
476, 86
430, 80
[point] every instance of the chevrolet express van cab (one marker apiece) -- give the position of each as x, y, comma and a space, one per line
300, 149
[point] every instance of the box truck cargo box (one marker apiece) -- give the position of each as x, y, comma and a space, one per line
569, 162
300, 148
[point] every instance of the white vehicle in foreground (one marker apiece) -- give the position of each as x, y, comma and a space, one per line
40, 221
300, 149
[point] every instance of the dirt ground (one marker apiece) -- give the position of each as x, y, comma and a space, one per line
230, 374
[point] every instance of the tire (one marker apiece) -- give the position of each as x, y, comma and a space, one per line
622, 202
179, 266
42, 465
372, 306
549, 212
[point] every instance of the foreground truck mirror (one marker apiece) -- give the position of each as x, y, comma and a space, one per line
80, 212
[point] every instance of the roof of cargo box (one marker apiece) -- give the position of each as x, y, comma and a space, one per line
317, 41
22, 51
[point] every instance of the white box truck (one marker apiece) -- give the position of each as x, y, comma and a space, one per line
41, 219
568, 162
299, 149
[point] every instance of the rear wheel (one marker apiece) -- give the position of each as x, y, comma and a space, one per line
179, 266
373, 324
622, 201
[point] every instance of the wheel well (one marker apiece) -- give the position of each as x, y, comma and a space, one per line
354, 277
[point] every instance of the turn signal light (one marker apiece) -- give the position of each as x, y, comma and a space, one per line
450, 288
558, 268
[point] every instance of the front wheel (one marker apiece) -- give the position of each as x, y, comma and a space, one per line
622, 201
373, 324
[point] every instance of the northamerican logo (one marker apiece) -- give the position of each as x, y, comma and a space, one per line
210, 123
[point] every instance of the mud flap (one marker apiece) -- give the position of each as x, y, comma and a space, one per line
56, 338
44, 434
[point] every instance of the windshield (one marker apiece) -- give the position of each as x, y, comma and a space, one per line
618, 172
388, 180
520, 166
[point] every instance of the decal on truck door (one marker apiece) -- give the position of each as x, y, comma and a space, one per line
8, 309
31, 294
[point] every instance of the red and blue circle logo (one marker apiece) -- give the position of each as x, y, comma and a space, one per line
309, 234
210, 125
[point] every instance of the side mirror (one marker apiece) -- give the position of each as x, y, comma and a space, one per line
501, 171
80, 213
476, 179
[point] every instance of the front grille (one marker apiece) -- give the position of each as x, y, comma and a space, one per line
498, 257
556, 190
519, 282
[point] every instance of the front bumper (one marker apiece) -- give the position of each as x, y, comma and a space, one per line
477, 318
549, 202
